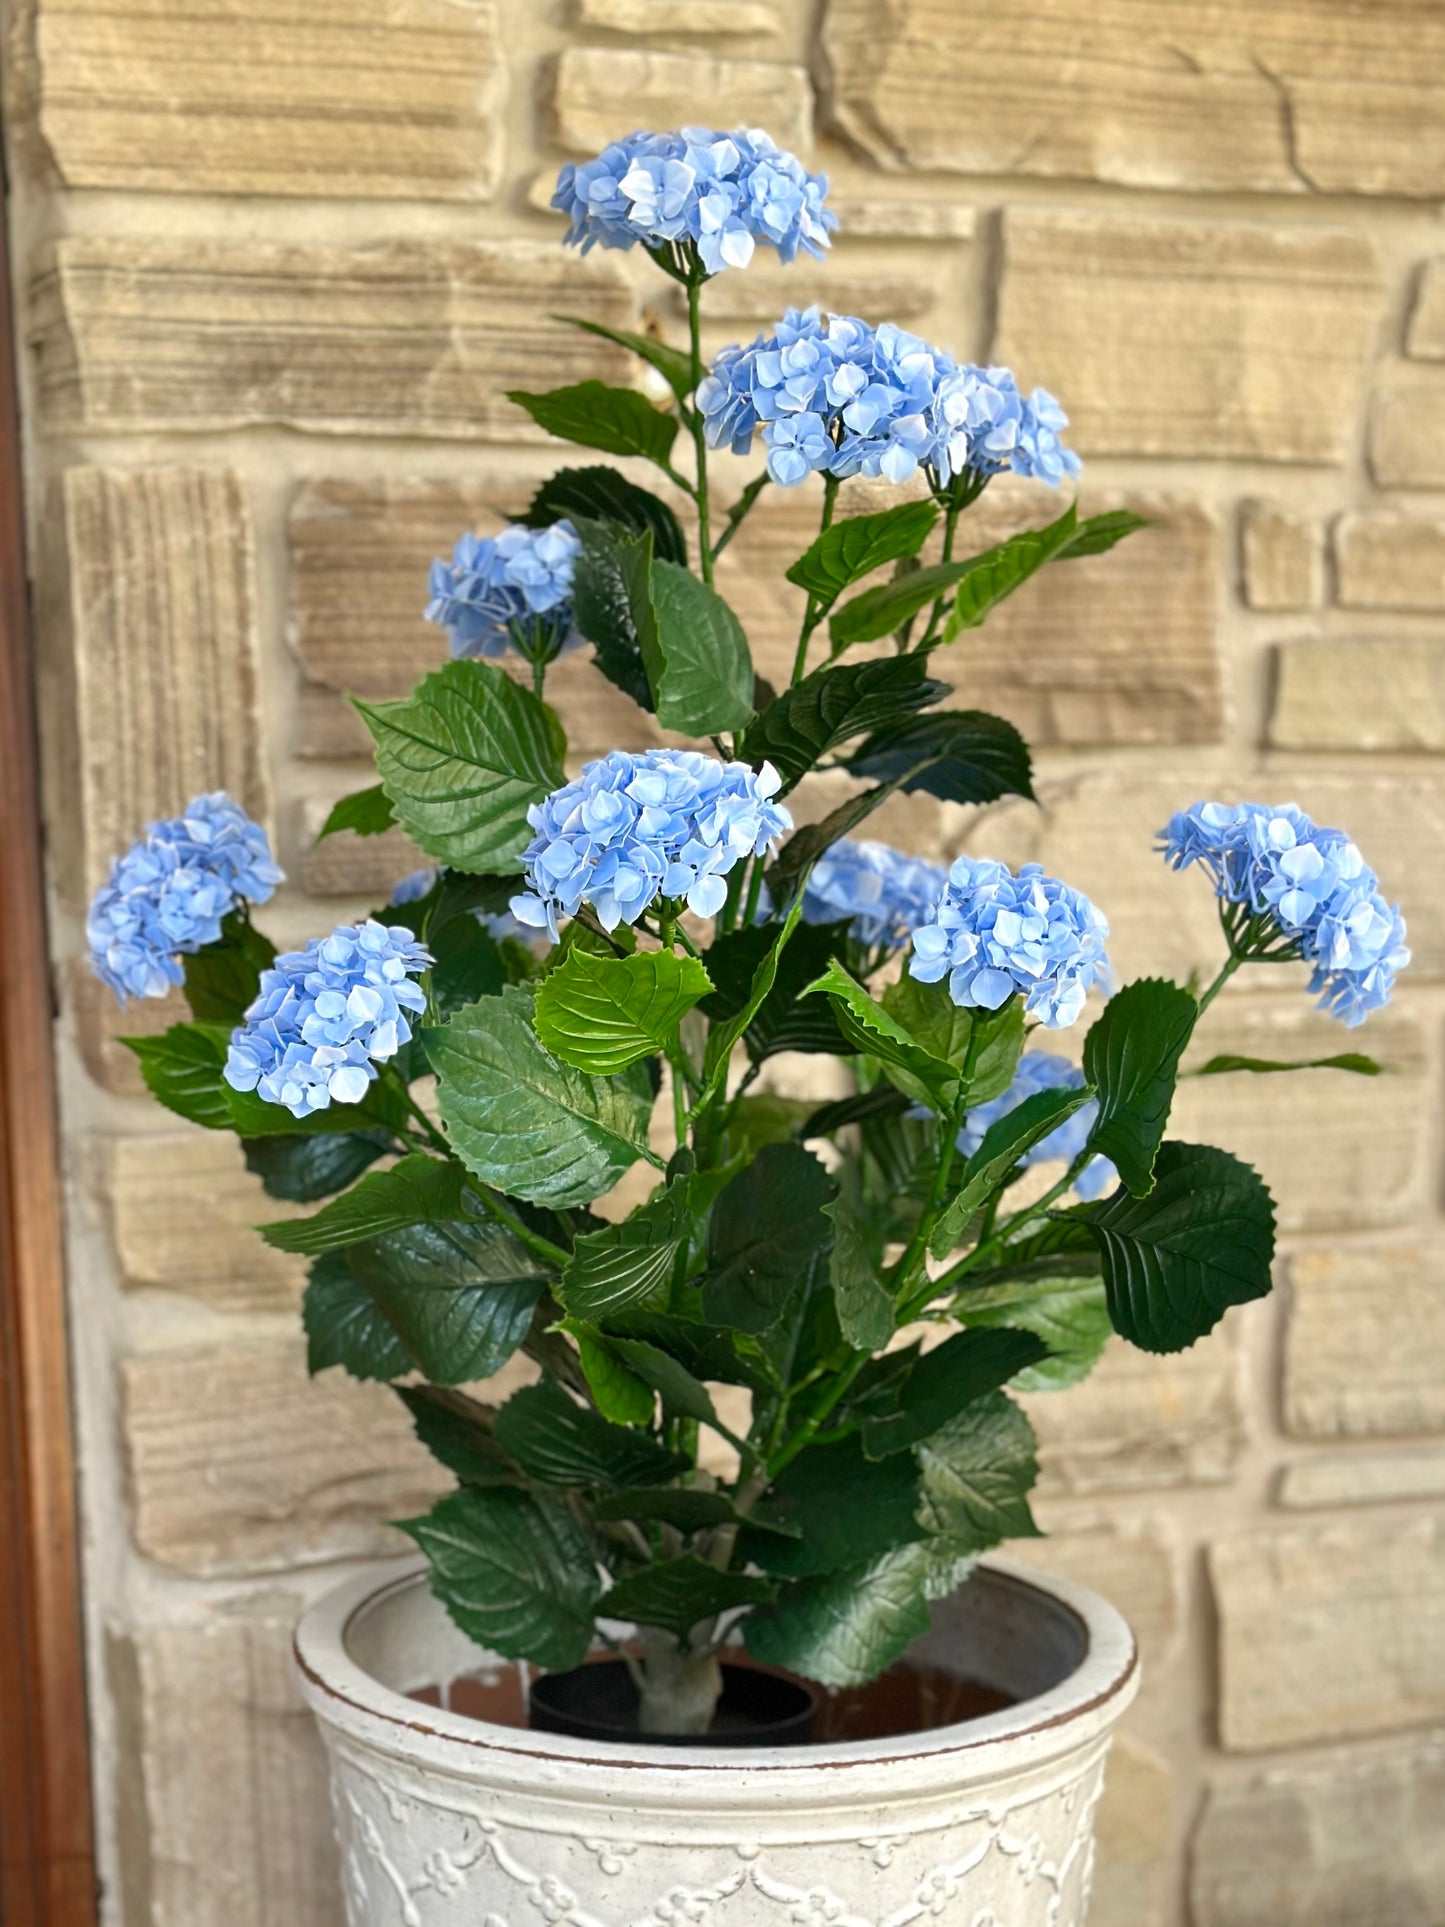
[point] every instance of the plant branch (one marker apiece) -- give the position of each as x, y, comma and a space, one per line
699, 435
817, 608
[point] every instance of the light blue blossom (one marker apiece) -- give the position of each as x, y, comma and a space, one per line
993, 933
670, 823
512, 590
415, 885
166, 896
1040, 1070
326, 1016
883, 892
1307, 892
697, 193
837, 396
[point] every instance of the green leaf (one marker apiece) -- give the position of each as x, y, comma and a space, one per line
1004, 1143
460, 1296
765, 1231
870, 1028
456, 1430
1354, 1061
630, 1262
601, 1014
619, 421
612, 605
996, 574
882, 610
669, 1505
1131, 1057
784, 1020
843, 1630
682, 1395
702, 682
619, 1395
677, 1593
806, 845
516, 1573
367, 812
832, 706
1069, 1314
602, 495
344, 1325
1176, 1260
416, 1190
523, 1121
977, 1472
222, 979
945, 1380
884, 1100
559, 1442
673, 364
1101, 532
945, 1030
723, 1036
969, 757
462, 759
847, 551
303, 1169
866, 1313
837, 1509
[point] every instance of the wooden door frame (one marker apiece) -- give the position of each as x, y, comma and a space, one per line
47, 1858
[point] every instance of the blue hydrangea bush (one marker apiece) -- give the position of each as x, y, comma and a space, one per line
597, 967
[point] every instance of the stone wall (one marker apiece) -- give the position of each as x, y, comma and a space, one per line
276, 268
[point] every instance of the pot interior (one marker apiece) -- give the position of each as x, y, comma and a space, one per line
996, 1642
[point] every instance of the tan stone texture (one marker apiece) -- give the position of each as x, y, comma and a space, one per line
1331, 1632
99, 1023
598, 93
1302, 1846
227, 1812
1389, 561
346, 864
182, 1211
1362, 1478
1280, 553
357, 97
769, 287
1365, 1335
238, 1463
1281, 99
1425, 336
1132, 1564
645, 17
395, 338
1135, 1828
1186, 338
1407, 436
160, 692
1339, 692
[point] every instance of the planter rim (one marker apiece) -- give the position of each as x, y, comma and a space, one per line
1085, 1704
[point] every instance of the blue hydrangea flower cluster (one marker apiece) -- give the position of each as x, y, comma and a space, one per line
1311, 884
1040, 1070
883, 892
668, 823
415, 885
512, 590
719, 194
166, 896
993, 933
326, 1016
840, 397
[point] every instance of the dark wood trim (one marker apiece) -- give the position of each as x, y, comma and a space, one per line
47, 1858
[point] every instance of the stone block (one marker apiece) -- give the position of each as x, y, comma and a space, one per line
769, 287
1131, 1563
1389, 561
599, 92
1134, 1835
1139, 1420
1343, 692
1337, 99
398, 338
158, 695
1354, 1843
1280, 556
99, 1023
225, 1810
1329, 1633
239, 1464
1362, 1478
1185, 338
644, 18
865, 219
363, 98
1425, 334
1407, 436
348, 865
1365, 1338
182, 1210
1097, 831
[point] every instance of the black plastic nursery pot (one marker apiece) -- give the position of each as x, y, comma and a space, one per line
598, 1701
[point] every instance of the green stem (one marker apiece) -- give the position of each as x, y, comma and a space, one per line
699, 436
1231, 964
739, 513
816, 608
755, 892
533, 1240
950, 530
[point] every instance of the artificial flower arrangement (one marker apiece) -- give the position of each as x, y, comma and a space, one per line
649, 933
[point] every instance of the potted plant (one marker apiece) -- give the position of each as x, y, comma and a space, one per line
588, 985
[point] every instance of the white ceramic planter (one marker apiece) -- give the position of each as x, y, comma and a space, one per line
448, 1821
